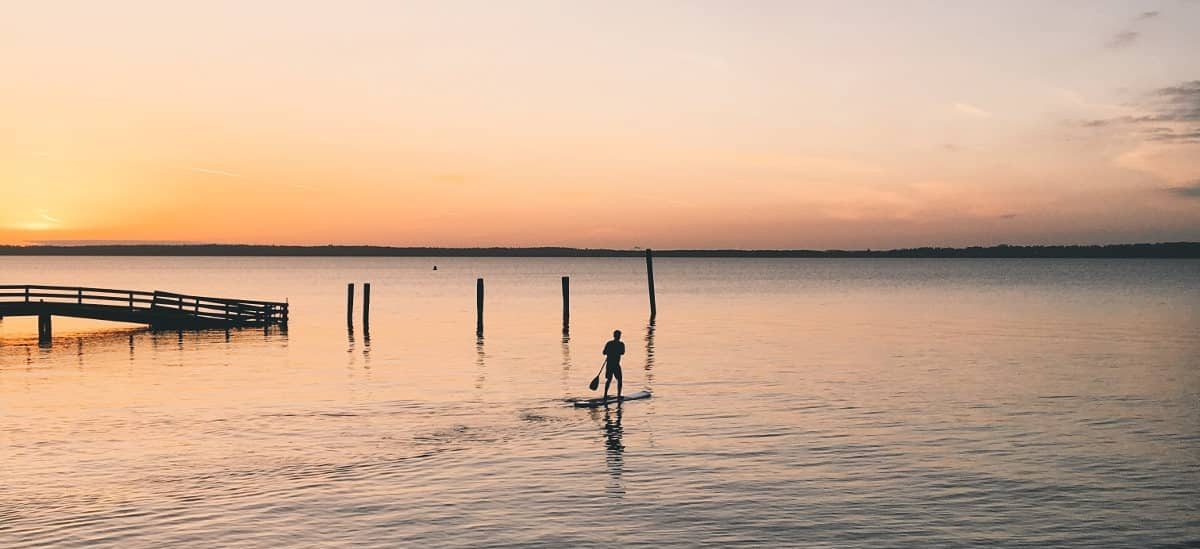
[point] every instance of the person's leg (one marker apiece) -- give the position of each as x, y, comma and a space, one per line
619, 383
608, 375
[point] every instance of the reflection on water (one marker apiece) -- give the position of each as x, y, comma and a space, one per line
480, 362
843, 403
650, 355
352, 347
614, 450
101, 342
566, 364
366, 346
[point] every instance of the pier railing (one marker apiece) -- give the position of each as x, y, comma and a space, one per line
31, 293
156, 303
215, 308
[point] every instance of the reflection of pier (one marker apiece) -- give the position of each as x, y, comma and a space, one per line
159, 310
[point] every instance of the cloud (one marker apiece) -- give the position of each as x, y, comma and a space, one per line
1129, 37
45, 215
1170, 114
41, 221
1122, 40
1190, 190
215, 172
971, 110
1180, 103
1169, 136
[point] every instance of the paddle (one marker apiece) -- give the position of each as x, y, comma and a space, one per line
596, 380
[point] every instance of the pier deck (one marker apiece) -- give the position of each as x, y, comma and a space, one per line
157, 309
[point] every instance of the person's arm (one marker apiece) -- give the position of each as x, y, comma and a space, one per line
622, 347
605, 351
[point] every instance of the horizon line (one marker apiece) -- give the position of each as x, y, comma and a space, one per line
1181, 249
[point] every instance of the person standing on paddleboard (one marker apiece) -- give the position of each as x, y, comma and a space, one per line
612, 363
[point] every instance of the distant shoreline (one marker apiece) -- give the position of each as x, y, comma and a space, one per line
1165, 250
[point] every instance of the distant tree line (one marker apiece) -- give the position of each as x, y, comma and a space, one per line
1177, 250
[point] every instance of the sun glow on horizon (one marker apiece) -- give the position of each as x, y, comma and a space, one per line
600, 124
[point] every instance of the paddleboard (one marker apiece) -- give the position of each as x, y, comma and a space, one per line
596, 402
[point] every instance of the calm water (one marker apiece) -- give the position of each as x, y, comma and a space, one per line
797, 402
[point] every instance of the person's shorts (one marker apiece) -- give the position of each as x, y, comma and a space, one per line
613, 371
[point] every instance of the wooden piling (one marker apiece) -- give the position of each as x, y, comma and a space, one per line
479, 306
44, 331
650, 281
350, 305
366, 305
566, 294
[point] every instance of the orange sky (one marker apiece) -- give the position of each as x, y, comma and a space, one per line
613, 124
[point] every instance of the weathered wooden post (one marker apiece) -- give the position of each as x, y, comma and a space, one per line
366, 306
44, 328
479, 306
350, 305
650, 281
566, 292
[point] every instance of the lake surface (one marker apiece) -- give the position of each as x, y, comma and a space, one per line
806, 402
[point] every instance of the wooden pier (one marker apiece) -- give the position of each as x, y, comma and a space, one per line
157, 309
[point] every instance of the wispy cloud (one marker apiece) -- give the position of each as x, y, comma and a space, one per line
1190, 190
45, 216
1129, 37
210, 171
1180, 103
40, 221
1122, 40
1171, 136
1170, 114
971, 110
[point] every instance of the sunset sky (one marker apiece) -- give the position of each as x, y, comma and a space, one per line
748, 124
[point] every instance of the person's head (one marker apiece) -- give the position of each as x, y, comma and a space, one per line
617, 334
